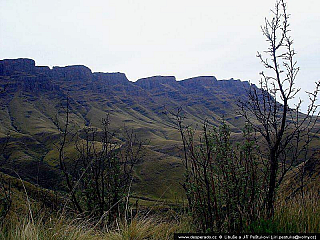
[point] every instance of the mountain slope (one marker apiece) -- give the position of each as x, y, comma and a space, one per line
33, 99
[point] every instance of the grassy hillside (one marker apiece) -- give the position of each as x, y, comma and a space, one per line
33, 114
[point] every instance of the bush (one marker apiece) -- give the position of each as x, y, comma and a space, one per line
223, 182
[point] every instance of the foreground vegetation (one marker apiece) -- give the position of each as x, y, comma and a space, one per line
62, 228
291, 216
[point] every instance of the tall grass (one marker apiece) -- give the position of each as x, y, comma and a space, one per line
299, 215
29, 219
296, 215
52, 228
151, 227
293, 216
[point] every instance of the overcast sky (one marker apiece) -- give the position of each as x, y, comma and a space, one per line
156, 37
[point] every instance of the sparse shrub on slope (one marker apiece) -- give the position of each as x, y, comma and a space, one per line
99, 178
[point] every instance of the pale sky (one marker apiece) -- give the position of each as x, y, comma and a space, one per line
156, 37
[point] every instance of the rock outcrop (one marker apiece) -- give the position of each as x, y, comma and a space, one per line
237, 86
202, 80
9, 67
156, 81
23, 74
72, 73
44, 70
111, 79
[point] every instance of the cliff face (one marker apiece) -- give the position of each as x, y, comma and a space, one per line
199, 81
72, 73
35, 84
156, 82
111, 79
24, 73
9, 67
44, 70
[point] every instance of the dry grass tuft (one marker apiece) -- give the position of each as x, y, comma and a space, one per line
64, 228
299, 215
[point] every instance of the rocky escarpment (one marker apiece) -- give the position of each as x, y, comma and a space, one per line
35, 83
43, 70
203, 92
23, 73
199, 81
111, 79
239, 87
156, 82
72, 73
9, 67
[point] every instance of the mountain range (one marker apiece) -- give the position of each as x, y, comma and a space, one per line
31, 115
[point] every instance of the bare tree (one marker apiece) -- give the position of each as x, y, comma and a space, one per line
100, 175
61, 147
177, 118
267, 110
